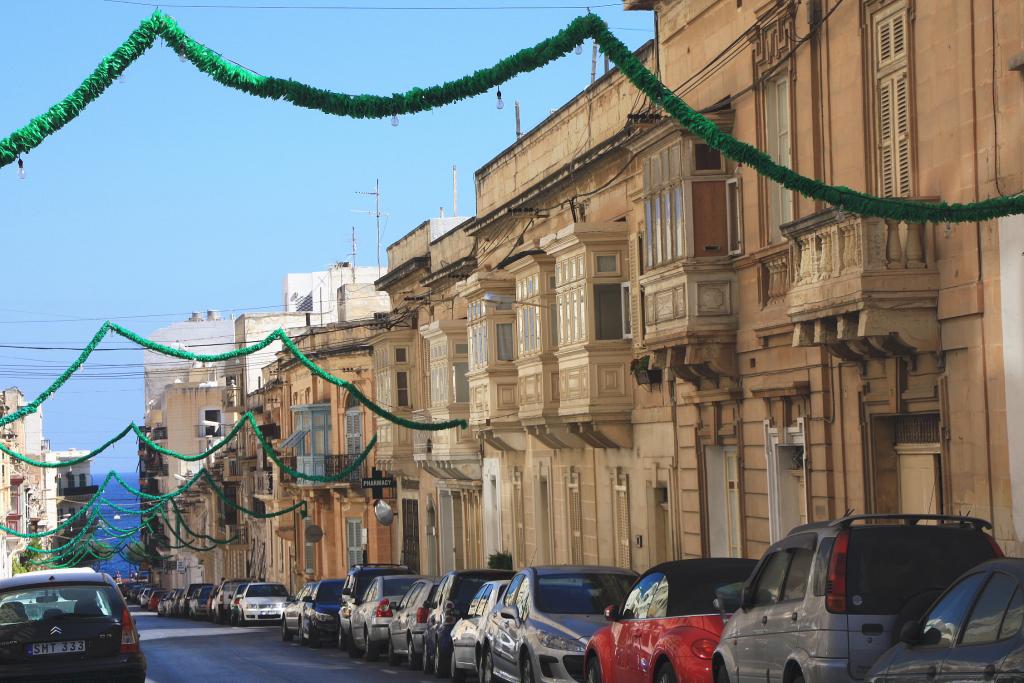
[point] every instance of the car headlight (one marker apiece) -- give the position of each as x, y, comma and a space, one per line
556, 641
324, 616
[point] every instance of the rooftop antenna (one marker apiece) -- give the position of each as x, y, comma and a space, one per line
593, 63
353, 254
376, 213
519, 125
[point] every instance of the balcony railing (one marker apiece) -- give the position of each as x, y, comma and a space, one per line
328, 466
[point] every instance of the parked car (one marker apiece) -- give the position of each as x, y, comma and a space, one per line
222, 600
143, 596
199, 605
468, 634
191, 592
154, 600
971, 633
371, 619
356, 582
450, 601
671, 620
235, 600
79, 616
546, 619
163, 609
261, 603
319, 616
179, 604
291, 615
826, 601
409, 623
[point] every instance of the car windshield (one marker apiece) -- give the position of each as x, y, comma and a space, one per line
241, 588
582, 593
889, 565
366, 577
466, 589
329, 592
398, 585
45, 603
205, 592
266, 590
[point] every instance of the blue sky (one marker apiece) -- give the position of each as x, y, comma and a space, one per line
172, 193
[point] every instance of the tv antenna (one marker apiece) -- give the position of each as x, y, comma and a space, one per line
377, 214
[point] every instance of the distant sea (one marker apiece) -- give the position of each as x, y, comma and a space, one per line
117, 493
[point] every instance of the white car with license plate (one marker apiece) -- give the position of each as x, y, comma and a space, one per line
261, 603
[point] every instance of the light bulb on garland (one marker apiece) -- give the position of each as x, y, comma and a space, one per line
394, 120
579, 49
21, 168
501, 102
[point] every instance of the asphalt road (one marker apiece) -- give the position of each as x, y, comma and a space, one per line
185, 651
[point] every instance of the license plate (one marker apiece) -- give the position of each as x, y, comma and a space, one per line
58, 648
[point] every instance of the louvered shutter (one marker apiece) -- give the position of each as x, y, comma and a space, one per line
623, 545
893, 94
575, 519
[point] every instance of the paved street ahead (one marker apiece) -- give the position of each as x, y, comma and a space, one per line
185, 651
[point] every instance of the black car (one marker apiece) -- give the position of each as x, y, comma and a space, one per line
67, 625
448, 604
359, 578
318, 618
971, 633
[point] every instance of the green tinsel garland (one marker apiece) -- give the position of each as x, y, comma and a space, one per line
423, 99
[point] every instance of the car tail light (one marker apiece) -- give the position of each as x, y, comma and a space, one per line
384, 609
129, 636
835, 585
421, 615
451, 615
995, 546
238, 600
703, 648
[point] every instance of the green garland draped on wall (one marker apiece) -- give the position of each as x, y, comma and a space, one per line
422, 99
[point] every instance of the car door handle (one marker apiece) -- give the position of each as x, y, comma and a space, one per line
794, 616
764, 619
930, 673
990, 672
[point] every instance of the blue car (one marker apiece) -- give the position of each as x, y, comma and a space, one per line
318, 620
449, 603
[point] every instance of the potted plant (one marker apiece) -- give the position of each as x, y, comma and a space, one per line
644, 374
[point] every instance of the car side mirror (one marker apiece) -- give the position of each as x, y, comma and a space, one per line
611, 612
307, 598
746, 598
910, 633
510, 612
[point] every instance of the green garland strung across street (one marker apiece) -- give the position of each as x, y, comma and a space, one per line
422, 99
277, 335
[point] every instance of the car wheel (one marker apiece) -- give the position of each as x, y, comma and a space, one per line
313, 637
594, 670
341, 639
414, 659
799, 678
353, 650
428, 666
458, 675
440, 665
666, 674
393, 657
286, 635
486, 667
722, 675
526, 669
372, 650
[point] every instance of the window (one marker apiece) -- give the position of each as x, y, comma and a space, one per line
663, 205
402, 387
942, 624
987, 615
892, 105
639, 598
769, 582
1014, 616
658, 605
354, 540
81, 480
777, 133
401, 354
733, 215
581, 593
523, 600
608, 312
623, 539
627, 312
309, 550
607, 264
799, 570
505, 335
510, 594
459, 371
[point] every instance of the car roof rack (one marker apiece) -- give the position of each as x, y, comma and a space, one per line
913, 519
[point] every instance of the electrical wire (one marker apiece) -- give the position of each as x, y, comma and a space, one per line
164, 5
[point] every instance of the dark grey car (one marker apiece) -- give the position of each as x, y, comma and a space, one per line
826, 601
409, 623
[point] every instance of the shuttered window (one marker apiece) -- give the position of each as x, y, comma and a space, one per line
575, 515
893, 103
623, 545
518, 507
777, 131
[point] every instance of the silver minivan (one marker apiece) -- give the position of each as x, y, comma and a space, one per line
825, 602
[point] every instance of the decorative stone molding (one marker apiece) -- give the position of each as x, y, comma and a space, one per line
775, 33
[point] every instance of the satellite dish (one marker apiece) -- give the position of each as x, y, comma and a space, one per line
385, 515
313, 533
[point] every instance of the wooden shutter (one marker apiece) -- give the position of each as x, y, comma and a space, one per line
893, 107
623, 543
518, 510
575, 519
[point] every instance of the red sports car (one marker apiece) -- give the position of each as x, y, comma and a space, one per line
668, 627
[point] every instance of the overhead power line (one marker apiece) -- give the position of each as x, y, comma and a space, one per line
368, 8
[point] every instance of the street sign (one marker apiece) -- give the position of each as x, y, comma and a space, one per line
313, 533
379, 482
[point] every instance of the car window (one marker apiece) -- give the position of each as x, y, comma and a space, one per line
821, 560
523, 600
769, 582
795, 585
1014, 616
266, 590
371, 592
328, 592
441, 594
397, 585
510, 592
987, 615
658, 606
888, 565
639, 597
476, 607
942, 624
464, 589
65, 602
581, 592
410, 595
